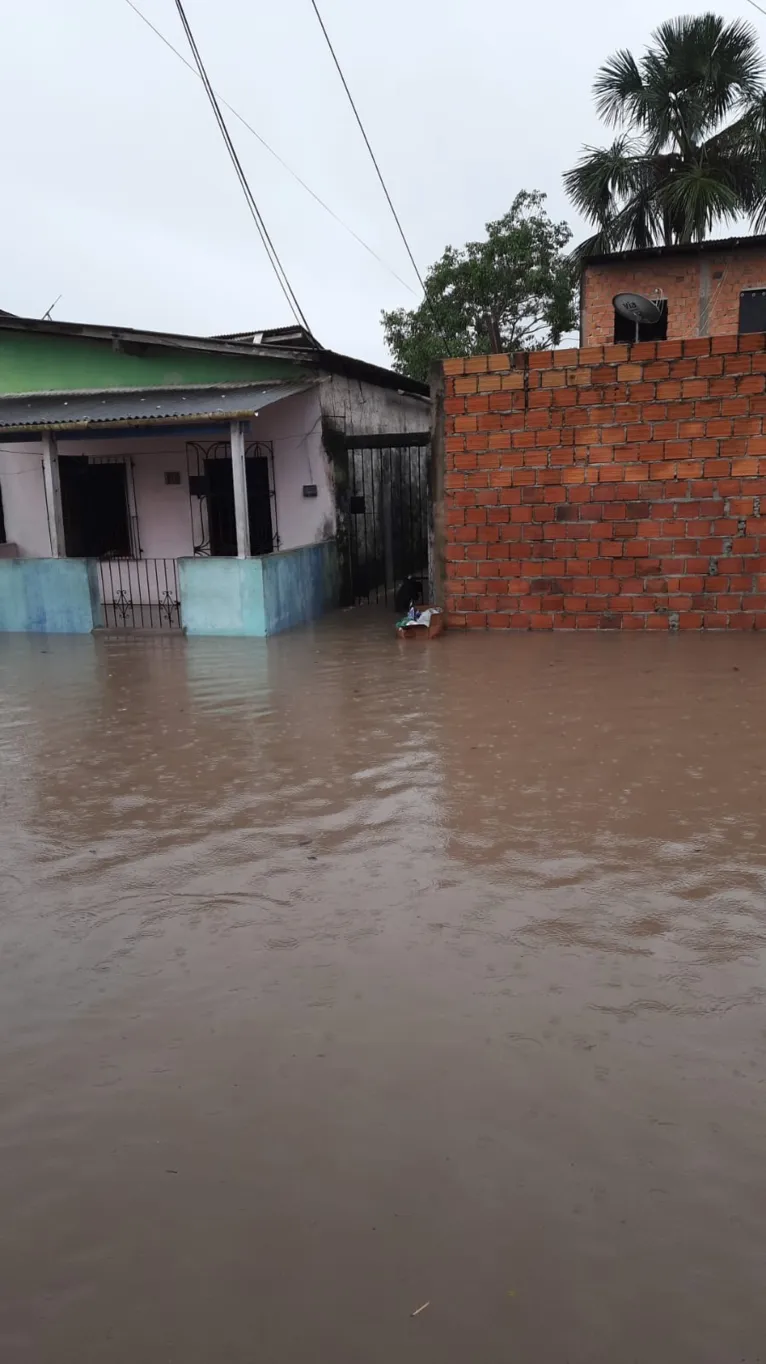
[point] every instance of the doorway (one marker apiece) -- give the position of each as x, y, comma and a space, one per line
211, 496
383, 516
94, 507
220, 506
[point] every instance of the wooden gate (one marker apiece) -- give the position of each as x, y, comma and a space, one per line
386, 513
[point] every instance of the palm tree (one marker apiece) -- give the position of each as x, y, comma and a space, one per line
692, 147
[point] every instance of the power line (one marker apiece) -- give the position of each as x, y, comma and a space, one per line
270, 149
268, 244
379, 172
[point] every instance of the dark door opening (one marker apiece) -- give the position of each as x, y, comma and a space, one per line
94, 506
220, 506
384, 517
752, 310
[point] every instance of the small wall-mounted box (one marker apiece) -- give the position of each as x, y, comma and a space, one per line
310, 490
172, 478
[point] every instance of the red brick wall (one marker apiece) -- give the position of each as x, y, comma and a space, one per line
614, 488
702, 291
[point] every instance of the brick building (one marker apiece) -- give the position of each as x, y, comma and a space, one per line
613, 487
711, 288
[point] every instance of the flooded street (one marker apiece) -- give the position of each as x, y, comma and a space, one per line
340, 975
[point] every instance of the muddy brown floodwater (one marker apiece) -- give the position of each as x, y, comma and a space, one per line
339, 975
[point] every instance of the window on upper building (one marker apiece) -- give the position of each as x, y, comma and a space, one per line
752, 310
625, 330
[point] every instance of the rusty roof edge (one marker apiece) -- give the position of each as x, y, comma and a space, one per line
149, 407
87, 424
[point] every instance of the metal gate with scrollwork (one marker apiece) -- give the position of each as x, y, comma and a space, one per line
387, 513
139, 594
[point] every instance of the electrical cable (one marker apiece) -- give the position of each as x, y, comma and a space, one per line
271, 150
379, 174
268, 244
711, 301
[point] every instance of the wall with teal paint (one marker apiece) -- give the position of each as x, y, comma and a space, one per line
48, 596
32, 363
299, 585
258, 596
247, 597
222, 596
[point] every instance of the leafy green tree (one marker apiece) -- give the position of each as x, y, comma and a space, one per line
515, 290
691, 152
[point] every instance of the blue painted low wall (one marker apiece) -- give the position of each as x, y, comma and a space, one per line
49, 596
258, 596
299, 585
222, 596
218, 596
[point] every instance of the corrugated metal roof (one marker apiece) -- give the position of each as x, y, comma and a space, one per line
148, 405
711, 245
297, 338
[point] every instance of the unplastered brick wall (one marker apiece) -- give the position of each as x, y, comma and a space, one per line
612, 487
702, 290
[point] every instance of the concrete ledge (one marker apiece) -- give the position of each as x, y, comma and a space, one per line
300, 585
222, 596
48, 596
258, 596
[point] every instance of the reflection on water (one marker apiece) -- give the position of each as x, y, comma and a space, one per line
338, 975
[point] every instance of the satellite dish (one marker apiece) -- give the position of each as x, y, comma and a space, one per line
637, 309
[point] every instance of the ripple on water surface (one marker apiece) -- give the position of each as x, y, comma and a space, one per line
337, 976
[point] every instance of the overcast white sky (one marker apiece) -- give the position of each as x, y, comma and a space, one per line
117, 192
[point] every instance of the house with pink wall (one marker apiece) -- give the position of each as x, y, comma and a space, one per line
195, 481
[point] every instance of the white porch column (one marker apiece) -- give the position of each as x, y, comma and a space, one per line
239, 475
53, 495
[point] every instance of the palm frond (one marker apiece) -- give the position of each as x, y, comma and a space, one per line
600, 244
747, 134
697, 71
728, 60
702, 49
758, 219
602, 177
635, 224
619, 90
700, 196
739, 164
684, 169
638, 224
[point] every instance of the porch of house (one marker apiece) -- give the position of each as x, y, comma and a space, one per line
207, 511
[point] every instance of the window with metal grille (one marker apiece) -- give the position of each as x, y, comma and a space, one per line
94, 508
752, 310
